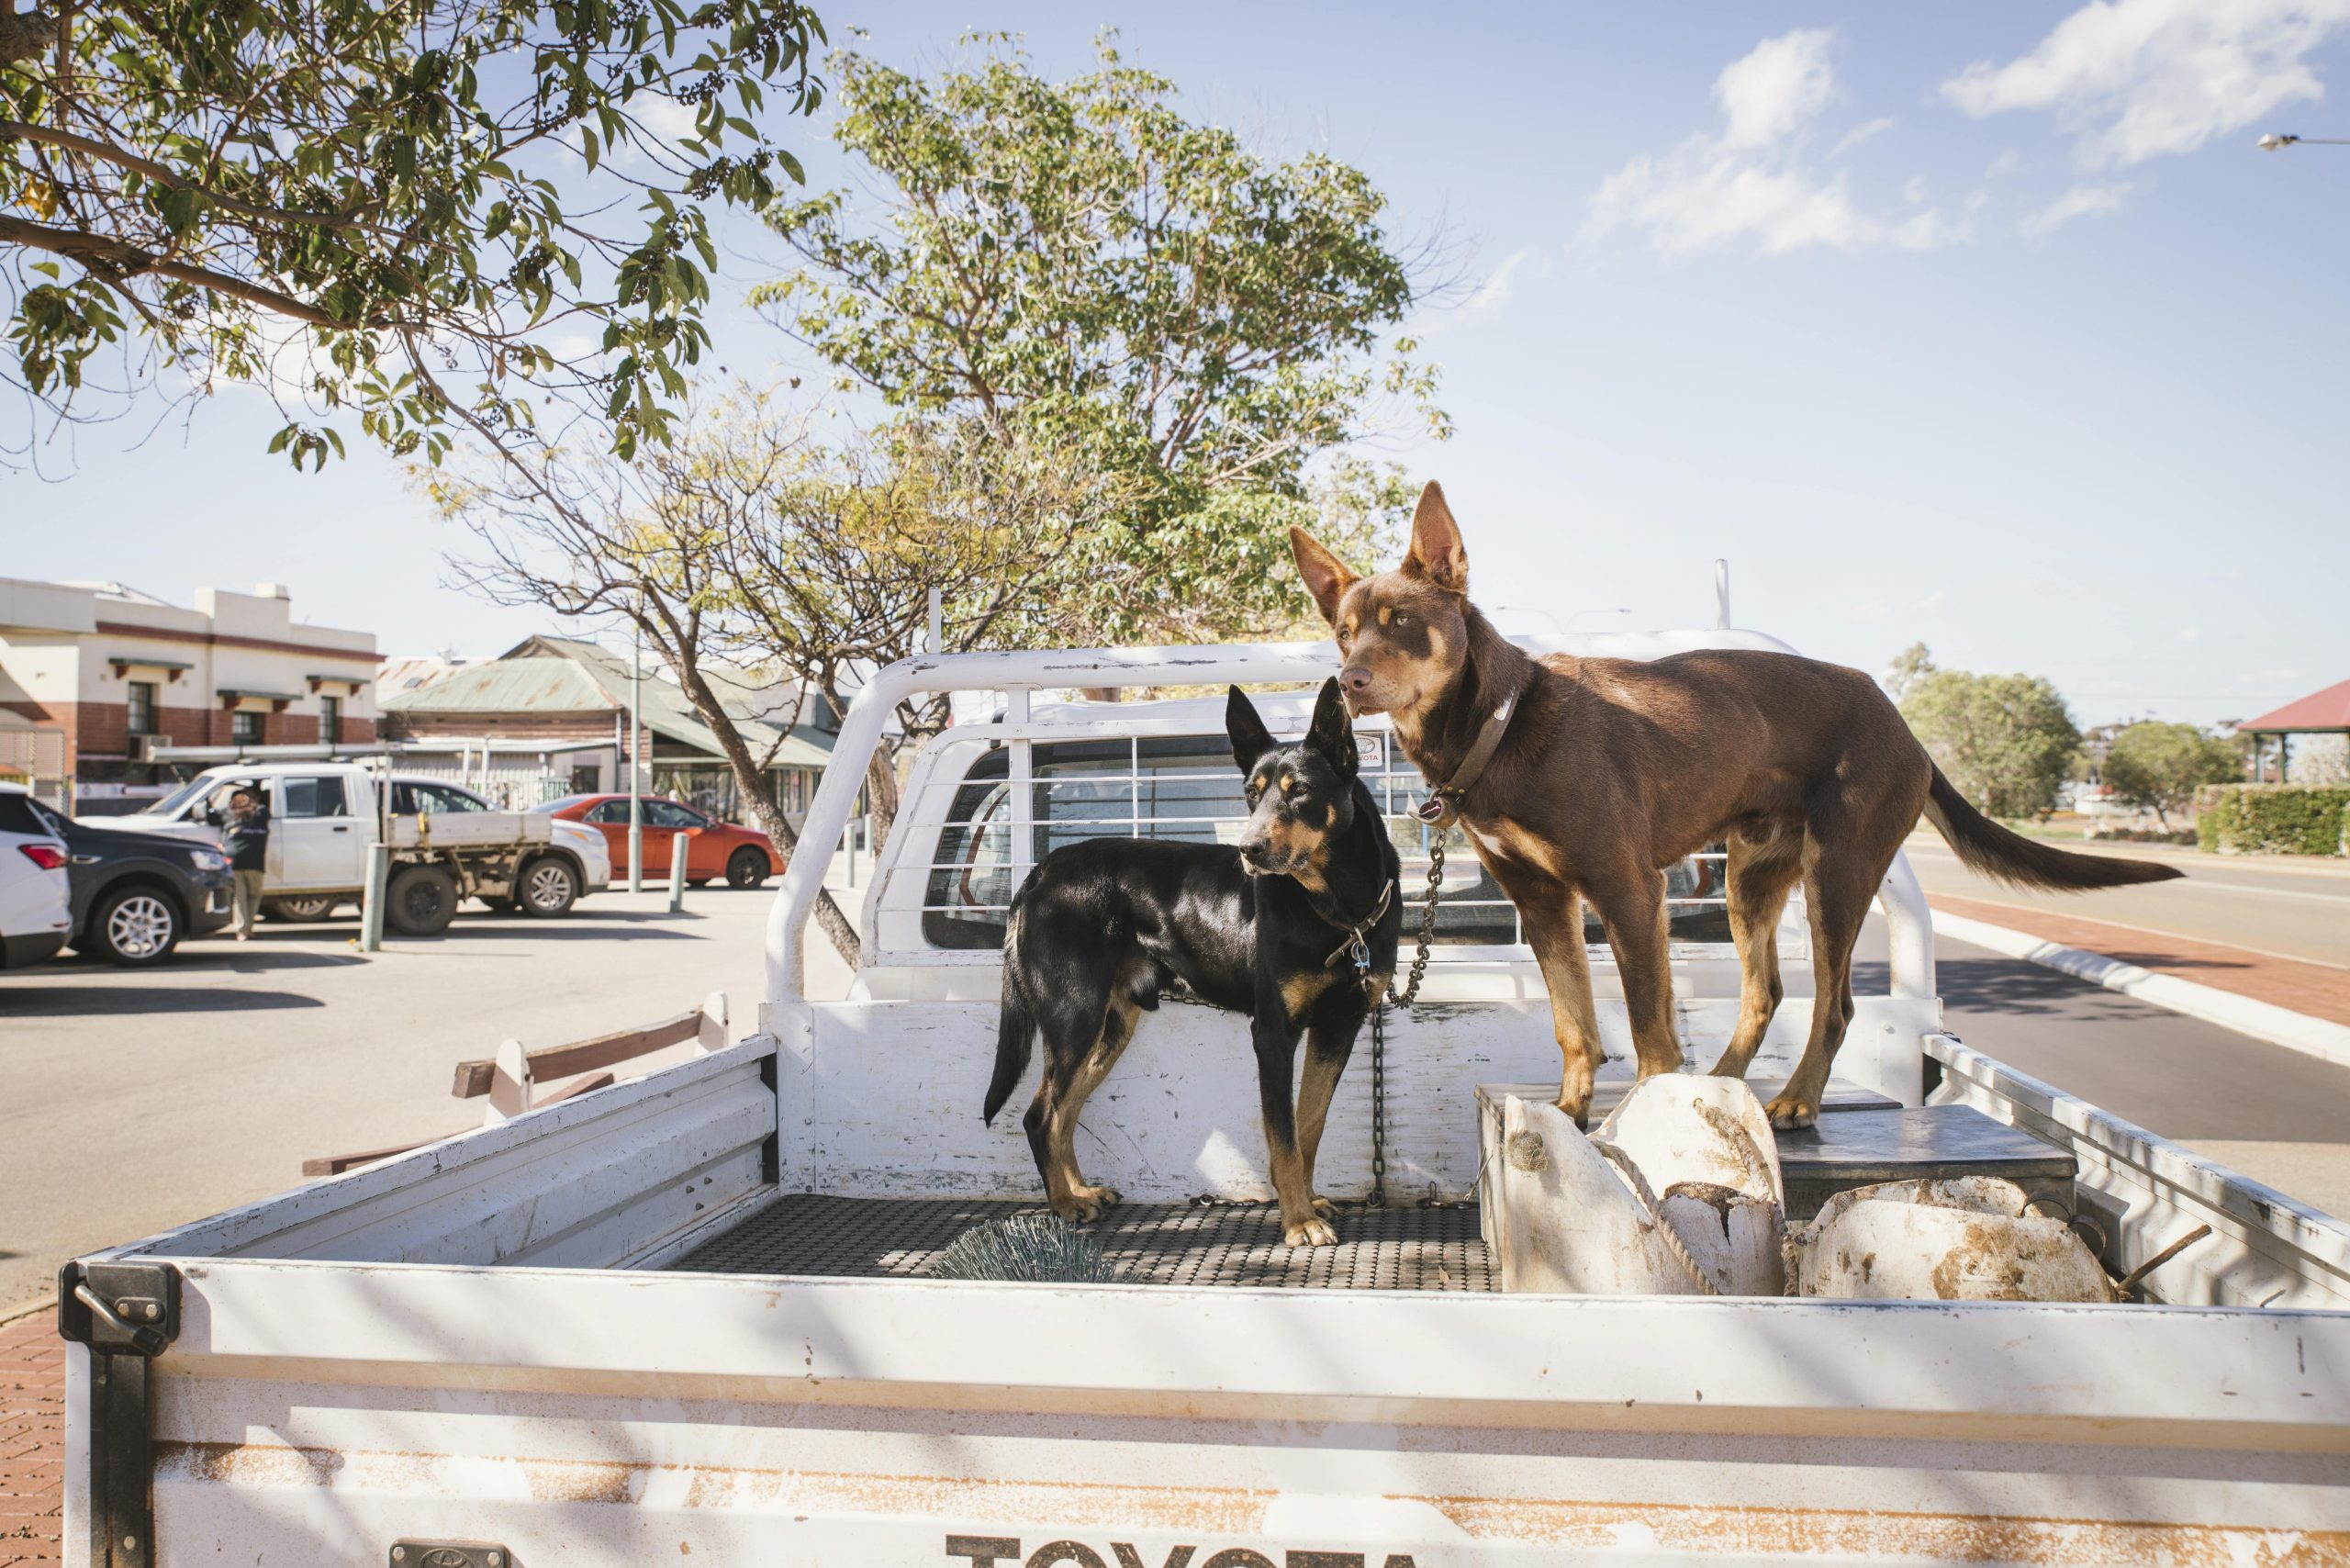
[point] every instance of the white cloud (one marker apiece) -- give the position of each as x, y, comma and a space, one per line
2081, 201
1933, 604
2138, 78
2188, 634
1872, 610
2006, 163
1769, 95
1495, 291
1752, 182
1859, 134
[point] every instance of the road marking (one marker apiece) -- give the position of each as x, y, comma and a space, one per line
2141, 930
2205, 878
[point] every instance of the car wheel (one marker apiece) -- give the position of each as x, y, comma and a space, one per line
420, 900
746, 869
299, 907
549, 888
134, 927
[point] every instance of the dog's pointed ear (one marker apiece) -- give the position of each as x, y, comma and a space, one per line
1251, 739
1437, 555
1332, 732
1326, 577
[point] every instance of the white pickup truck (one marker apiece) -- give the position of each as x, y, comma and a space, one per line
689, 1317
447, 842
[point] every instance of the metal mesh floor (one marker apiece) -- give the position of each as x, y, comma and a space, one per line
1166, 1244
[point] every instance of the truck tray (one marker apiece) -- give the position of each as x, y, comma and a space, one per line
1169, 1244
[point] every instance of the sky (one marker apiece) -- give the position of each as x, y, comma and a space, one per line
1982, 326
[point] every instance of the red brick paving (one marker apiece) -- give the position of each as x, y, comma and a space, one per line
2313, 989
32, 1441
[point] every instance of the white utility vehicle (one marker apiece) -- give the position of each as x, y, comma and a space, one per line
447, 844
687, 1318
36, 912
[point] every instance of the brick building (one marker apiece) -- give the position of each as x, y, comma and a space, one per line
106, 665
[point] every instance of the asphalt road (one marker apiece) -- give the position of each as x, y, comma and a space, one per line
2288, 909
132, 1103
2276, 1115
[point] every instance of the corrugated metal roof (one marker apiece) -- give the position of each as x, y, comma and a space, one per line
545, 685
560, 674
2327, 709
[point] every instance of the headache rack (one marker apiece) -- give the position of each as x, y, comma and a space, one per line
985, 801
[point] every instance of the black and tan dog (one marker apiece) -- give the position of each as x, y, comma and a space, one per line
1583, 778
1295, 926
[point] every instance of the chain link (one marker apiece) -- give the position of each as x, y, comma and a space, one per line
1428, 922
1379, 1025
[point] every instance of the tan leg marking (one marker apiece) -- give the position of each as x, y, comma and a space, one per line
1317, 1084
1071, 1197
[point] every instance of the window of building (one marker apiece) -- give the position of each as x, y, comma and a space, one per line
138, 708
330, 720
244, 727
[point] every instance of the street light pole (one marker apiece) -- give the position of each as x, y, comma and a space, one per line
636, 756
2276, 141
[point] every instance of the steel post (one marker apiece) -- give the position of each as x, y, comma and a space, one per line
371, 901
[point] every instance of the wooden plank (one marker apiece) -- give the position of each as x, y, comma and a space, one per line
336, 1164
585, 1086
566, 1061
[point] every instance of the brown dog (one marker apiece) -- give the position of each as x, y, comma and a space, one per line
1584, 779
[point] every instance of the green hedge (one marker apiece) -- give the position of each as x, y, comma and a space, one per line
2273, 819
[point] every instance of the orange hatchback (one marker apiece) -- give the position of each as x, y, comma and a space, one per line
713, 849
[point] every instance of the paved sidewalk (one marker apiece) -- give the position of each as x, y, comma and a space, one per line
32, 1440
2318, 990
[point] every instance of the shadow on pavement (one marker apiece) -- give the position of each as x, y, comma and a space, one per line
2011, 985
100, 1000
252, 957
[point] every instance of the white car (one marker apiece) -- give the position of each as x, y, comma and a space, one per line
36, 908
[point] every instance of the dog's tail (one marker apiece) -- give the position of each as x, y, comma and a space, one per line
1988, 849
1017, 1032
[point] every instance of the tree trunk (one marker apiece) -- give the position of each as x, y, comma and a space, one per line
881, 793
748, 779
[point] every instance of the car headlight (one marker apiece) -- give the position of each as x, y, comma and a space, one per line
209, 859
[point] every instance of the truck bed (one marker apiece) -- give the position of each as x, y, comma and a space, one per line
1411, 1248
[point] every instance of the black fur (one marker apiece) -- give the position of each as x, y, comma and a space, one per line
1103, 927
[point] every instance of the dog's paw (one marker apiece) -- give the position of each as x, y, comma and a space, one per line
1316, 1232
1323, 1207
1086, 1204
1787, 1113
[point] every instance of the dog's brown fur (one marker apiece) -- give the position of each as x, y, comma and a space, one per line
1613, 769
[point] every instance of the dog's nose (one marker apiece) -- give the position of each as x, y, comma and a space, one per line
1256, 851
1355, 678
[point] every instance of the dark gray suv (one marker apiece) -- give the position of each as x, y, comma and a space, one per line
136, 894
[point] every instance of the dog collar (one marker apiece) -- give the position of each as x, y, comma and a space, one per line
1443, 804
1357, 945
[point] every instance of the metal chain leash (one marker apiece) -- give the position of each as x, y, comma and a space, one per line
1379, 1026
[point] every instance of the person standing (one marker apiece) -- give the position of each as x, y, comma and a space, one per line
244, 837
